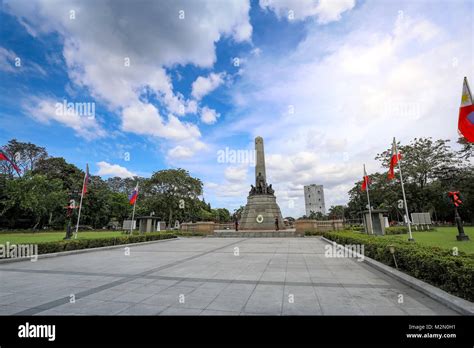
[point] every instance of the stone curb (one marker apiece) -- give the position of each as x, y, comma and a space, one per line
456, 303
80, 251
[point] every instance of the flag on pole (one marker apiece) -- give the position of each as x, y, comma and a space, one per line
466, 113
4, 157
84, 190
86, 180
366, 181
133, 197
394, 158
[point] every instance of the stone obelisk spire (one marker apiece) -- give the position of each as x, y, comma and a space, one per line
260, 163
261, 213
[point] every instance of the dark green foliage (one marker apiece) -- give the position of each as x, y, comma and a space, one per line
55, 247
38, 198
431, 168
437, 266
396, 230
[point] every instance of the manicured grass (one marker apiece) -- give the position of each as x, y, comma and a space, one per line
27, 238
443, 237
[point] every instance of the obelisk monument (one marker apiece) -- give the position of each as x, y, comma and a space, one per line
260, 157
261, 211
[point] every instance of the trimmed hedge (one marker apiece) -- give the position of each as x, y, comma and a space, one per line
437, 266
313, 233
191, 234
77, 244
396, 230
404, 230
356, 228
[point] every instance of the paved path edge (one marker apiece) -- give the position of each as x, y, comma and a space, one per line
80, 251
456, 303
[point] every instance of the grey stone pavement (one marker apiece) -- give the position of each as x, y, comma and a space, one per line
204, 276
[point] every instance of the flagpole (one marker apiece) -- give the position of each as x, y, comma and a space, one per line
133, 213
368, 200
80, 206
403, 193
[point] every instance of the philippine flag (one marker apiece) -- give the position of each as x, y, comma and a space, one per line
366, 182
4, 157
466, 114
133, 197
393, 160
86, 180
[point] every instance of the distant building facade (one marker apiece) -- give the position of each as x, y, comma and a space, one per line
314, 199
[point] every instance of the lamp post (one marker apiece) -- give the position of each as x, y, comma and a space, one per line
454, 195
448, 174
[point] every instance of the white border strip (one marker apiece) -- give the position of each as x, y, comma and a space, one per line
80, 251
456, 303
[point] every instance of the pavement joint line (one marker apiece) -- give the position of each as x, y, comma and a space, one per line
210, 280
169, 286
284, 286
314, 290
245, 252
256, 284
458, 304
64, 300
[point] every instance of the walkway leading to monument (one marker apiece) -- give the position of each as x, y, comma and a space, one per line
207, 276
256, 234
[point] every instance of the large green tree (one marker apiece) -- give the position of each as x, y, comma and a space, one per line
174, 192
24, 155
33, 200
430, 170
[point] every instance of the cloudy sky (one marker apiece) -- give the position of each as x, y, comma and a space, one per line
326, 83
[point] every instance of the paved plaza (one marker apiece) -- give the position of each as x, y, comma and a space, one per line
207, 276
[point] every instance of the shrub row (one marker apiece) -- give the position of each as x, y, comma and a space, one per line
191, 234
437, 266
355, 228
313, 233
396, 230
77, 244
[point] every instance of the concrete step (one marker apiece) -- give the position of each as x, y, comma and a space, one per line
254, 234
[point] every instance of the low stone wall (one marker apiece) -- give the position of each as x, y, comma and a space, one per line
201, 227
318, 226
225, 226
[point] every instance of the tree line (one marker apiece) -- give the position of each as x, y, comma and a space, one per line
38, 196
431, 169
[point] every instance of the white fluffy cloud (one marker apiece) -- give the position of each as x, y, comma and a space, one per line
122, 56
337, 101
324, 10
187, 150
7, 60
145, 119
208, 115
236, 174
203, 85
107, 169
46, 110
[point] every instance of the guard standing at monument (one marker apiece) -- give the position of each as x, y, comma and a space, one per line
276, 223
236, 224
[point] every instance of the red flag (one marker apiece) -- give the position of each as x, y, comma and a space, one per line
366, 181
133, 197
455, 197
3, 157
86, 179
393, 160
466, 114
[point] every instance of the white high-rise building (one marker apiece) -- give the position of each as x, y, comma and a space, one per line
314, 199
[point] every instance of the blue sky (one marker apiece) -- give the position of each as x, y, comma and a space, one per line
326, 83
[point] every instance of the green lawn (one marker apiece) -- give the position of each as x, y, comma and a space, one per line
444, 237
27, 238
